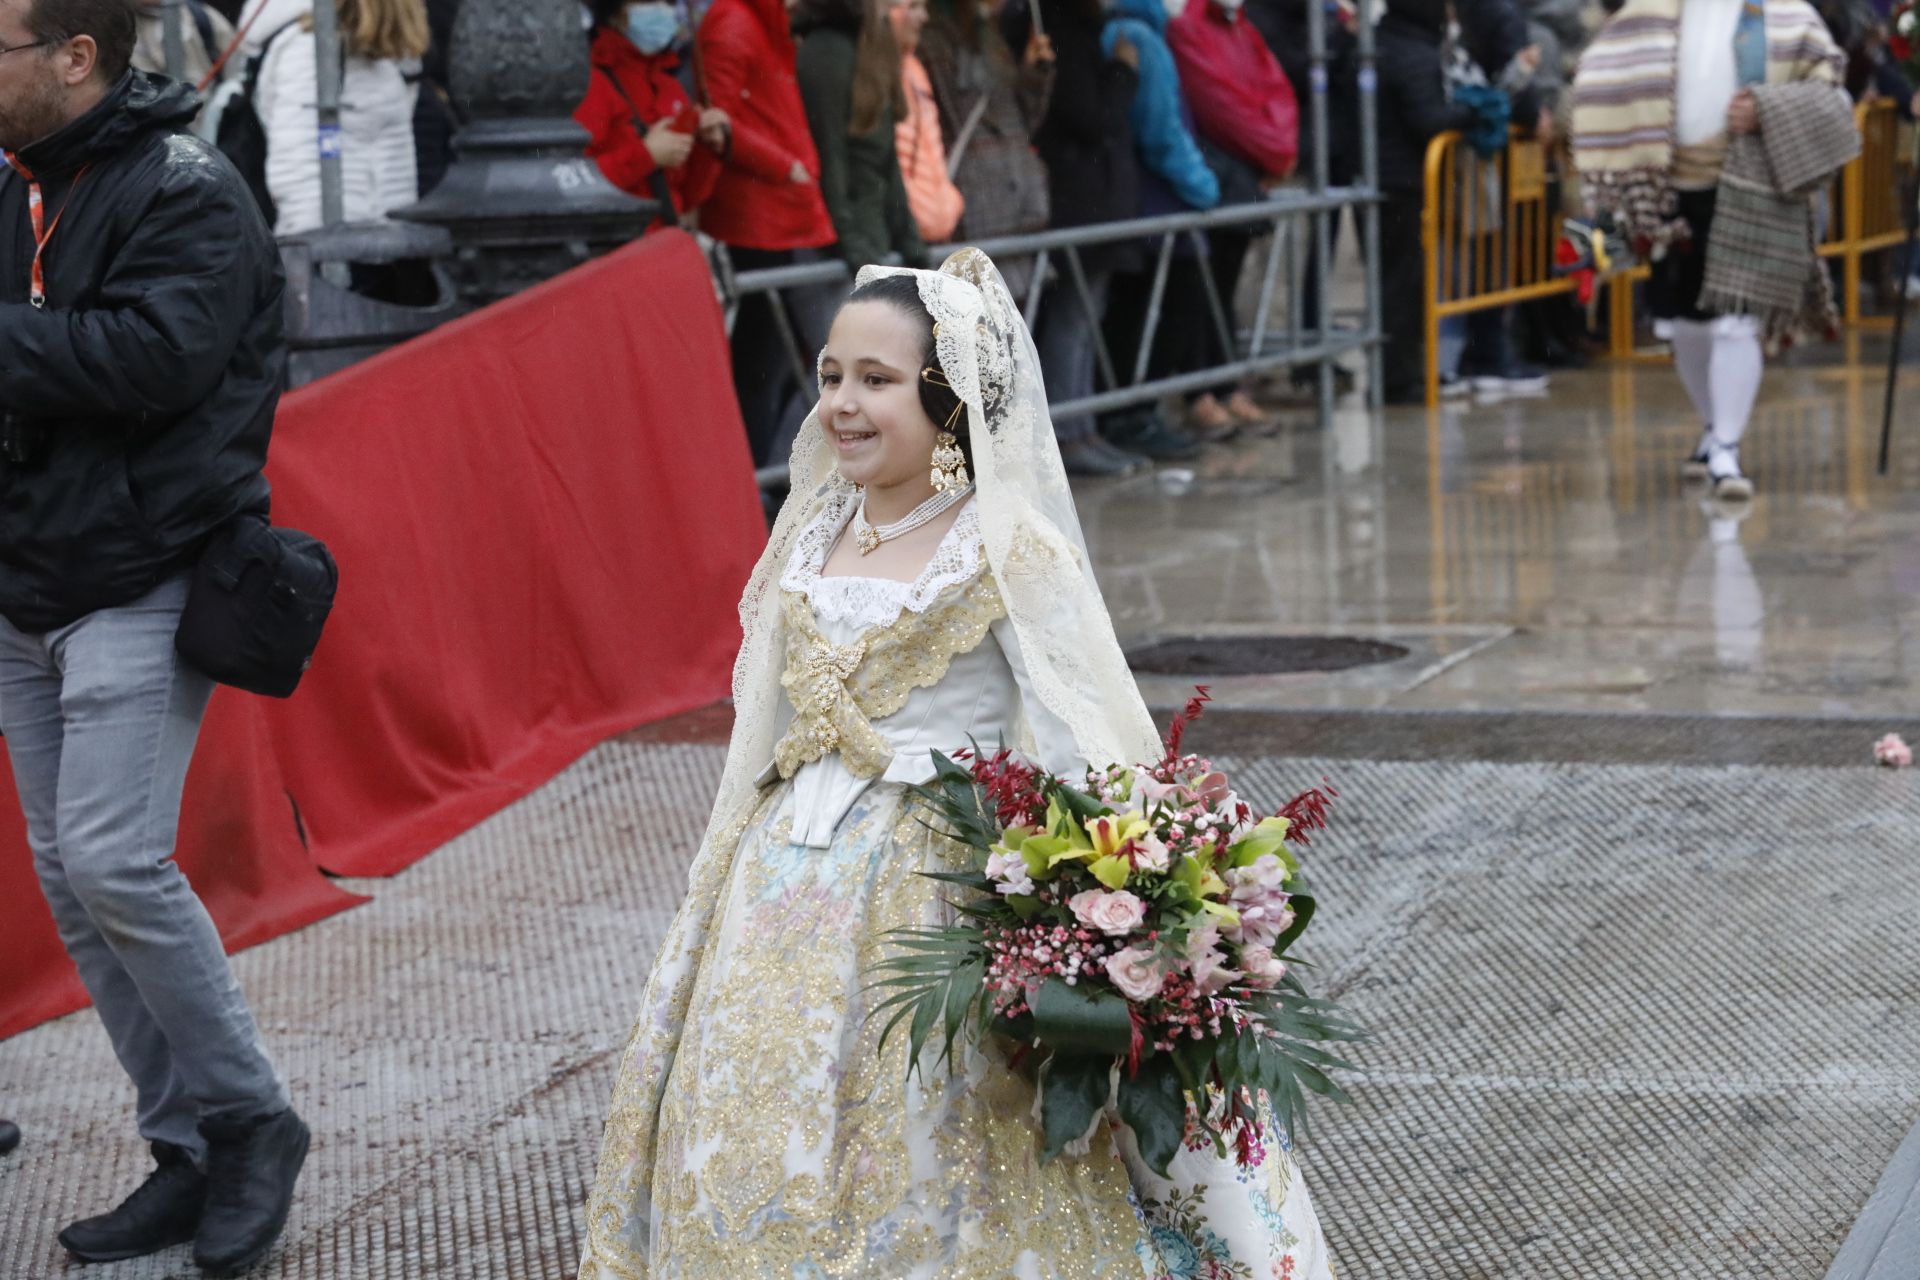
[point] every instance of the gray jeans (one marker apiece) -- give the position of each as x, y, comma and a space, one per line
1066, 346
100, 719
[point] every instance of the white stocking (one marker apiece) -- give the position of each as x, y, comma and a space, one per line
1693, 360
1735, 376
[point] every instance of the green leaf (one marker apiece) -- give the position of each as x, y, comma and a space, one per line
1081, 1019
1154, 1105
1081, 805
1074, 1089
1270, 836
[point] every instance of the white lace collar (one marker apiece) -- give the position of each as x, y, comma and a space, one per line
876, 602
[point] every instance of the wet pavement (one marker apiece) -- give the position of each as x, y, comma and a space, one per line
1544, 554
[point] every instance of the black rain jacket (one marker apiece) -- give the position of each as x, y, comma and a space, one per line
151, 376
1413, 103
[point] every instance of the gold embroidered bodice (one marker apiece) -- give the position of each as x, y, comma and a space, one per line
839, 690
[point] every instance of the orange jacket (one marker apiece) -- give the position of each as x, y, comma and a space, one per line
936, 203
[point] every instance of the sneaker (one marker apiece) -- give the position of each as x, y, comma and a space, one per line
252, 1166
9, 1136
1453, 386
1149, 435
1723, 466
1694, 469
165, 1211
1511, 378
1087, 457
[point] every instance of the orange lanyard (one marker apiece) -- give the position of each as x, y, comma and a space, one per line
42, 231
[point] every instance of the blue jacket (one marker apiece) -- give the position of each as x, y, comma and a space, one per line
1162, 126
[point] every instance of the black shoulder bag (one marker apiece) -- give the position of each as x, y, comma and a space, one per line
259, 600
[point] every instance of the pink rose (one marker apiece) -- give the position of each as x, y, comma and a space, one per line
1136, 973
1262, 967
1114, 914
1893, 752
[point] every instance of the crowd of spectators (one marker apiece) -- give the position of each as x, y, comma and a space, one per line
869, 130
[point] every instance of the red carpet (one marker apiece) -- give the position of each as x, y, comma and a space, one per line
544, 514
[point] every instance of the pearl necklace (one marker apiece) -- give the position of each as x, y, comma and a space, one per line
869, 537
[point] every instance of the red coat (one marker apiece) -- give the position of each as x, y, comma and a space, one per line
1241, 98
617, 144
747, 63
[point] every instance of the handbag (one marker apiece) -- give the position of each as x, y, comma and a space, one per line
258, 602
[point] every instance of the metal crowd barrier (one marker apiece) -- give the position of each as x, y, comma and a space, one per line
1863, 218
1487, 234
1055, 261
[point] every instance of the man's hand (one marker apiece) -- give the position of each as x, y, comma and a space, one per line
668, 148
1742, 115
1039, 50
1124, 52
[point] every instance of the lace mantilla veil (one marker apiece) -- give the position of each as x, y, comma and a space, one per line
1030, 530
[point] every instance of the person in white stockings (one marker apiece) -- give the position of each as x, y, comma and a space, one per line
1662, 92
1719, 358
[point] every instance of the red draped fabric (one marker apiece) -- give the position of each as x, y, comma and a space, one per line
544, 514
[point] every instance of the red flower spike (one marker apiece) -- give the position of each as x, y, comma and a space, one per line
1307, 813
1196, 705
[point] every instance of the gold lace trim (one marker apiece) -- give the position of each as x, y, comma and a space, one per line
838, 691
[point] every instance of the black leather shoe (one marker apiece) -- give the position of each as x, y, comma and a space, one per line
9, 1136
251, 1168
165, 1211
1149, 435
1087, 458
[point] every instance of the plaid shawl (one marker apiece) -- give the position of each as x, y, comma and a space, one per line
1623, 107
1760, 254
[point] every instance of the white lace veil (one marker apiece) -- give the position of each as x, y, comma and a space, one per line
1031, 532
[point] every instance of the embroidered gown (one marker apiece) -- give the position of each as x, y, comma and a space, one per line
757, 1131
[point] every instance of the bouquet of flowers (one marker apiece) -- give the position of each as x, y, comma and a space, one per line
1903, 39
1140, 919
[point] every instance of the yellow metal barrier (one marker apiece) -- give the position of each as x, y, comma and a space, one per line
1863, 218
1492, 219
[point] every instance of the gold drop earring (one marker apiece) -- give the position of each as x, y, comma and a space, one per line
949, 463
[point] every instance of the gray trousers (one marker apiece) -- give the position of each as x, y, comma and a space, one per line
1066, 340
100, 720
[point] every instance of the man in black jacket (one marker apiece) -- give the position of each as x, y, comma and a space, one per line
1413, 110
140, 326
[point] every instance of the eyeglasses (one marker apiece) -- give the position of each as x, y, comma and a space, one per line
15, 48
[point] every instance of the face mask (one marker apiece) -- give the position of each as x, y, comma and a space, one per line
652, 27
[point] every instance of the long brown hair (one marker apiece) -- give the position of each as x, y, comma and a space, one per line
381, 29
877, 87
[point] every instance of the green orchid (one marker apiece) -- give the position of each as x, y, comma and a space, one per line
1269, 836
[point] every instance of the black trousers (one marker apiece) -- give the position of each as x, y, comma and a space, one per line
1403, 280
1186, 339
763, 377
